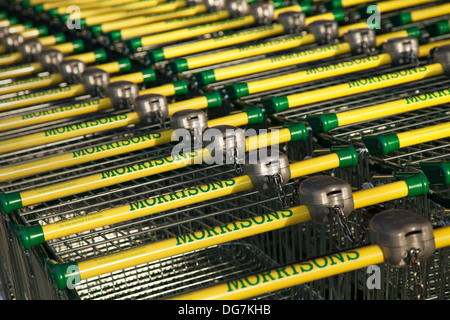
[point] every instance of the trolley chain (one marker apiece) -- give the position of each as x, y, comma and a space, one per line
237, 164
343, 223
278, 180
419, 288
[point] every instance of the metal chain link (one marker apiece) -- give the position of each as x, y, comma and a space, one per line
237, 166
342, 220
419, 288
160, 119
413, 58
278, 179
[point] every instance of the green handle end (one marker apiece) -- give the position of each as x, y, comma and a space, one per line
401, 19
29, 237
437, 172
96, 30
124, 64
275, 104
149, 75
42, 30
348, 157
299, 131
438, 29
78, 45
322, 123
181, 87
255, 115
205, 77
156, 55
214, 99
418, 185
237, 90
63, 276
60, 38
100, 55
134, 44
115, 35
382, 144
178, 66
10, 202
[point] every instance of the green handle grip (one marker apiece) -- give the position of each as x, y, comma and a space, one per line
437, 172
381, 144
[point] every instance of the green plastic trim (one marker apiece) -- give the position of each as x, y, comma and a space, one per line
237, 90
13, 21
115, 35
417, 185
299, 131
333, 4
275, 104
382, 144
178, 66
306, 8
181, 87
10, 202
214, 99
43, 31
39, 8
339, 15
25, 4
321, 123
439, 28
437, 172
255, 115
156, 55
205, 77
60, 275
124, 64
3, 15
82, 22
28, 25
363, 10
348, 157
52, 12
401, 19
29, 237
78, 45
96, 30
100, 55
414, 32
277, 4
149, 75
134, 44
64, 17
60, 38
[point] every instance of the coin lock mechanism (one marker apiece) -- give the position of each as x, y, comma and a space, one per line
51, 59
12, 42
442, 55
237, 8
293, 22
4, 31
403, 50
361, 40
152, 108
123, 94
30, 50
229, 141
263, 13
324, 31
399, 233
194, 122
323, 195
214, 5
95, 82
71, 70
269, 171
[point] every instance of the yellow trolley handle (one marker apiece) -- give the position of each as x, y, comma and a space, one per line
325, 122
386, 143
147, 168
209, 100
175, 88
75, 90
31, 236
60, 273
54, 78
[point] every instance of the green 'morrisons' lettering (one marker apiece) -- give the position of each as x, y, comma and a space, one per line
386, 77
293, 270
75, 106
428, 96
115, 145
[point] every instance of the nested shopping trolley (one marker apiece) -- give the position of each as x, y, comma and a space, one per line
112, 214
